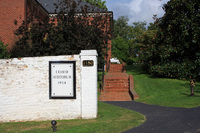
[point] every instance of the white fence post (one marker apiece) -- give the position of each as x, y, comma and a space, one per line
89, 83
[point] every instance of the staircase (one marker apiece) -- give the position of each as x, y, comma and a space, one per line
118, 85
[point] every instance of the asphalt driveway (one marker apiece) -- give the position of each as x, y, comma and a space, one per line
164, 119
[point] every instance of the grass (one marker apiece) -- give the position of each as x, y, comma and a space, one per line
163, 91
111, 119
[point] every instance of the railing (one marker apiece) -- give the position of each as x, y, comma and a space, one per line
102, 78
123, 67
108, 67
132, 91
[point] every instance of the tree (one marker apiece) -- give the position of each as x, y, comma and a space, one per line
177, 45
147, 47
138, 29
126, 39
99, 3
121, 27
120, 48
69, 36
140, 25
120, 38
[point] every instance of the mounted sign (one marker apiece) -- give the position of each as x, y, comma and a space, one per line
62, 79
88, 63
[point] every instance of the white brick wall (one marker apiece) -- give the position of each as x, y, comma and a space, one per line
24, 91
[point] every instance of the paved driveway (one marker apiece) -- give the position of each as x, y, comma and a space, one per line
164, 119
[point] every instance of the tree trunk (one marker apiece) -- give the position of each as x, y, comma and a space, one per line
192, 91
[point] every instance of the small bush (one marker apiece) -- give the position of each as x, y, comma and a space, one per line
4, 54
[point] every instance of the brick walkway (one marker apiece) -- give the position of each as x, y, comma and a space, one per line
117, 84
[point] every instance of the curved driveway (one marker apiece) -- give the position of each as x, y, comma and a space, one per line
164, 119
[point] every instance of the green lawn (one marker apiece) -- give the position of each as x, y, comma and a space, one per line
111, 119
163, 91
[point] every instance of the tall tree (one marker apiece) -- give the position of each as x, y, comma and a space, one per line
138, 29
120, 38
120, 48
121, 27
177, 45
99, 3
69, 36
126, 39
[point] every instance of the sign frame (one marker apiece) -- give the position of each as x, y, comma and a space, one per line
74, 79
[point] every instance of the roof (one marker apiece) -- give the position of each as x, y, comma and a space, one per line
50, 7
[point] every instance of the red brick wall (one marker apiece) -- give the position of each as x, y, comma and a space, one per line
36, 10
15, 10
10, 10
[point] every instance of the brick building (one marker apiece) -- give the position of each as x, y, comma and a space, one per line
12, 15
14, 12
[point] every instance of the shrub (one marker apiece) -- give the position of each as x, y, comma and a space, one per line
4, 54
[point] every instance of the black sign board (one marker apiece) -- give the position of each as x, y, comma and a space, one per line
88, 63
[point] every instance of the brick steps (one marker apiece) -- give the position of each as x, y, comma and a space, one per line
115, 96
117, 75
117, 90
117, 67
118, 85
118, 82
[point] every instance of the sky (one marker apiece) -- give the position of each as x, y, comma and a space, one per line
136, 10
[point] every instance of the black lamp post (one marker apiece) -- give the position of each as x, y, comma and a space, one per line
53, 123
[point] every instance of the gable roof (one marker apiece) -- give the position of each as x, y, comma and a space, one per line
50, 7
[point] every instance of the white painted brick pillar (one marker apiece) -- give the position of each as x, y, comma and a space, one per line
89, 83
